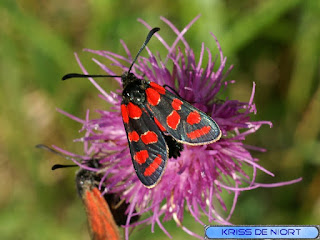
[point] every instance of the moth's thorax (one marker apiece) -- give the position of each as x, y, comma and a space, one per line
133, 89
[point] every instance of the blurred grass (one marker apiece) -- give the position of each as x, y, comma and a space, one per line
274, 43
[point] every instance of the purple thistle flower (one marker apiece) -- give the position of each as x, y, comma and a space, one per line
195, 180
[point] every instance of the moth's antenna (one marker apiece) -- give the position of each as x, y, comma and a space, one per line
79, 75
49, 149
56, 166
150, 34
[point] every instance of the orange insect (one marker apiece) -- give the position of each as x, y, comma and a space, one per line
101, 223
104, 212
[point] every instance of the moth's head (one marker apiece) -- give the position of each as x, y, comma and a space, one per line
128, 78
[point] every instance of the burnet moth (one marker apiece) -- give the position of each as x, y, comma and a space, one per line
157, 123
104, 212
101, 223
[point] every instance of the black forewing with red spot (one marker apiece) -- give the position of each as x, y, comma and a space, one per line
179, 118
147, 145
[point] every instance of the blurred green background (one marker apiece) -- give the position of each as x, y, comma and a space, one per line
274, 43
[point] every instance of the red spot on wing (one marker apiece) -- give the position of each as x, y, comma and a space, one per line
153, 96
124, 113
101, 222
173, 120
133, 136
153, 166
141, 156
149, 137
193, 118
157, 87
159, 125
176, 104
199, 132
134, 111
